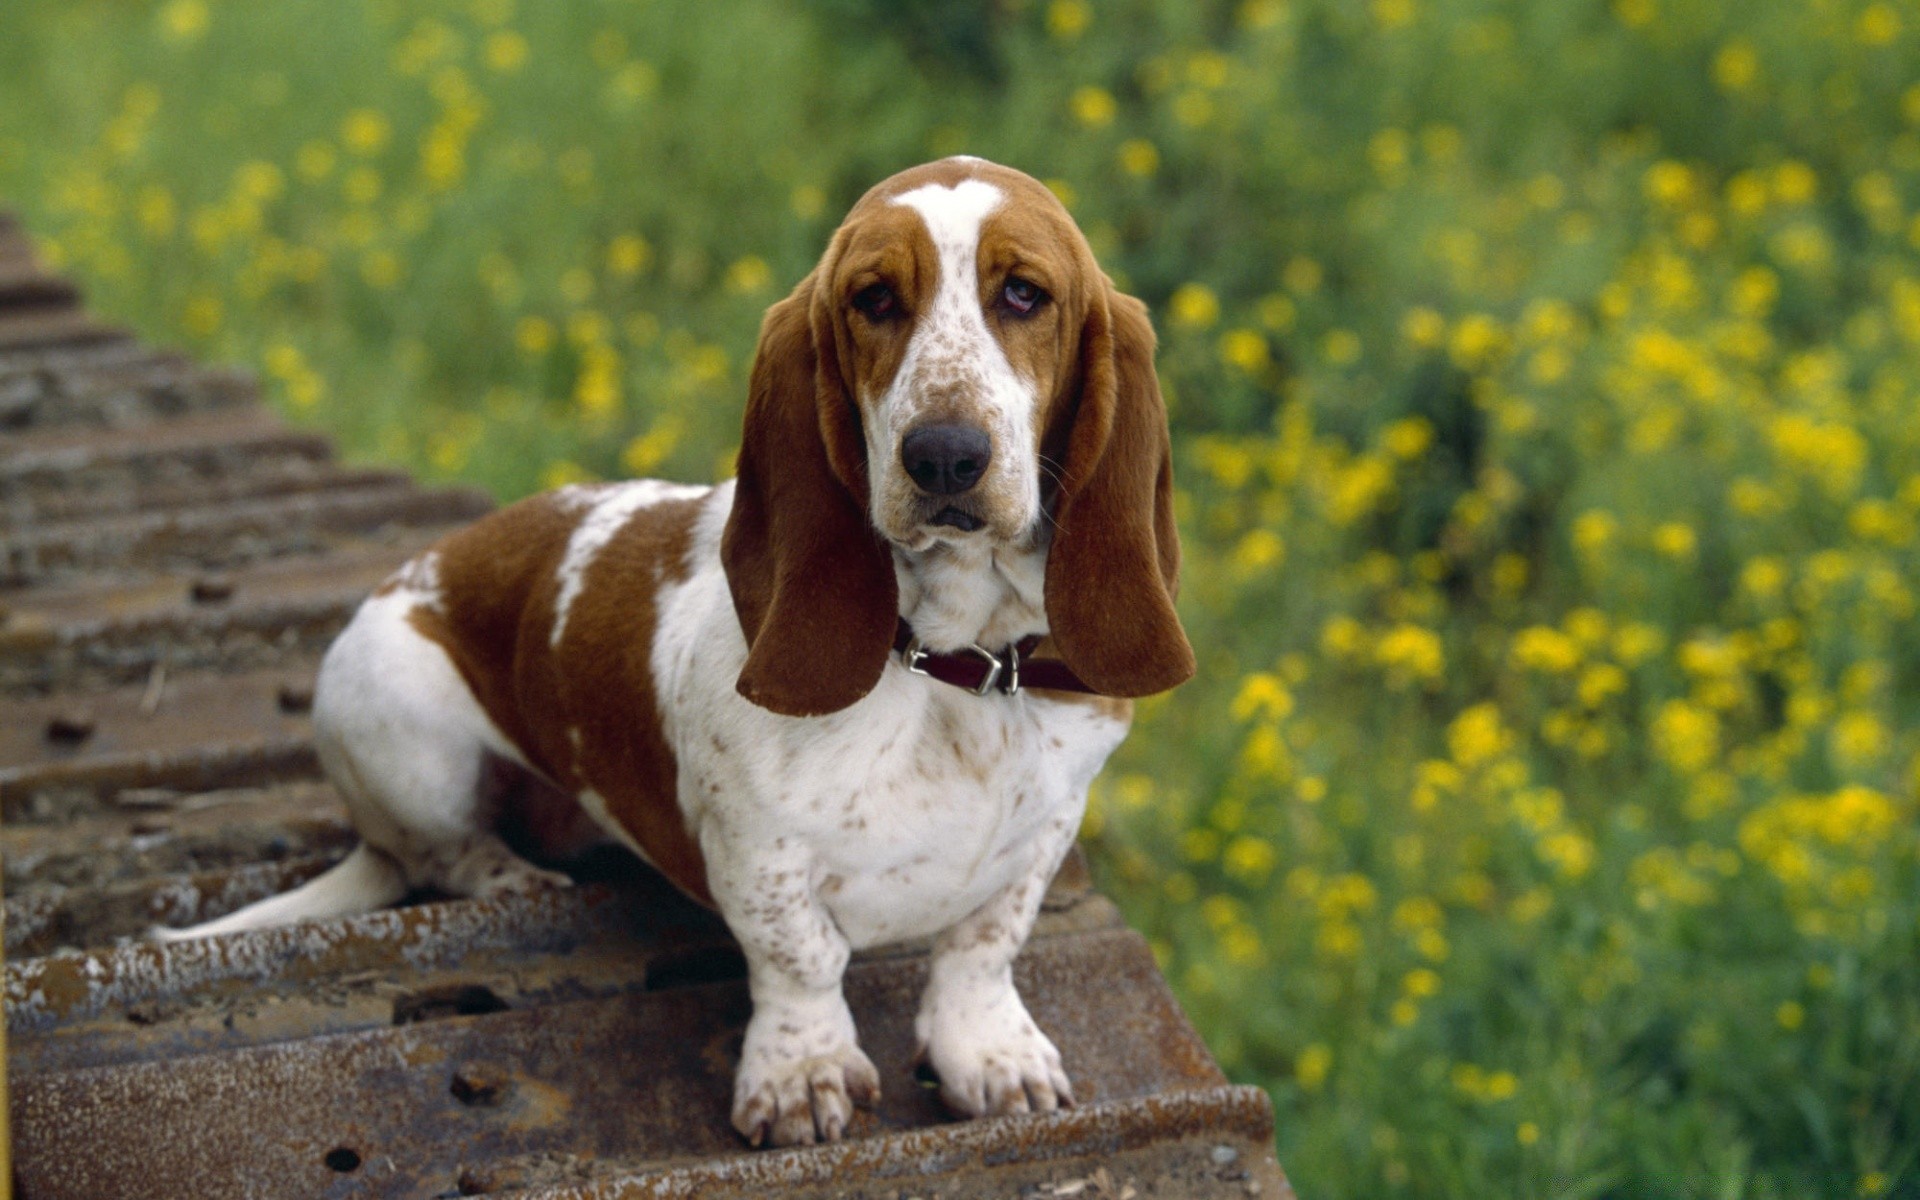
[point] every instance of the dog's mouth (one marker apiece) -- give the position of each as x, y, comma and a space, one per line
937, 521
952, 517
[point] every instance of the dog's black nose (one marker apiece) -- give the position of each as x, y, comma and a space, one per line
945, 460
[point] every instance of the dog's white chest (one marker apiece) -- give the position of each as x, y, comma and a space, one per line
915, 806
949, 815
901, 813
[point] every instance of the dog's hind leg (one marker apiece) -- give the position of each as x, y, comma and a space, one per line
412, 754
365, 879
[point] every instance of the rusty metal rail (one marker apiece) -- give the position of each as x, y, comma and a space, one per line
172, 562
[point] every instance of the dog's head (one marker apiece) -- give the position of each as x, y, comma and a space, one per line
957, 367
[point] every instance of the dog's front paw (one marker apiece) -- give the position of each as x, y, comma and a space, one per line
794, 1089
993, 1059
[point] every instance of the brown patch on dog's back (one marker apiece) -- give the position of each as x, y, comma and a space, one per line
499, 585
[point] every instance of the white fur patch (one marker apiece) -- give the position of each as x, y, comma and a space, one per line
608, 508
953, 355
419, 578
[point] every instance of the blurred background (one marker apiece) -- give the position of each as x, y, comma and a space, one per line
1545, 383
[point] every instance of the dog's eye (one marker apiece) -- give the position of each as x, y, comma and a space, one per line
876, 302
1022, 296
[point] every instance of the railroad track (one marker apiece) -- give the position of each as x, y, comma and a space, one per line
173, 560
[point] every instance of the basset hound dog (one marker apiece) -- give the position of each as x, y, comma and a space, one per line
854, 696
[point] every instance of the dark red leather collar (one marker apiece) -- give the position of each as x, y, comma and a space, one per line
1008, 670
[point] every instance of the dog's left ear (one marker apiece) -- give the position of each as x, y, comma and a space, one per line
812, 582
1114, 567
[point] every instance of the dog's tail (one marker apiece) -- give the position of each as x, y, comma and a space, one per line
362, 881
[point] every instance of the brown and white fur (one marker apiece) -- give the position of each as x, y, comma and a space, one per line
708, 670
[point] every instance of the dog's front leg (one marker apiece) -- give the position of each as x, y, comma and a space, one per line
972, 1026
801, 1067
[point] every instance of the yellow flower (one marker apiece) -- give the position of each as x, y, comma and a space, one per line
1421, 982
1411, 651
1392, 14
647, 451
534, 335
1244, 349
632, 82
184, 20
1635, 13
506, 51
202, 314
315, 161
260, 180
1094, 107
1068, 19
1260, 14
1407, 438
1686, 736
1388, 150
1477, 736
1858, 739
1342, 347
1599, 682
1832, 453
1264, 695
749, 275
1278, 312
1194, 306
1249, 858
1527, 1134
1753, 292
1241, 945
1794, 182
1669, 183
1572, 853
1736, 66
365, 131
380, 269
1747, 194
1593, 531
1342, 637
1545, 649
1423, 327
597, 388
628, 255
1675, 540
561, 472
1139, 157
1877, 25
1258, 550
808, 201
1358, 490
1312, 1065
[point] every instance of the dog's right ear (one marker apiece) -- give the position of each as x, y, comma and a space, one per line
1114, 567
812, 581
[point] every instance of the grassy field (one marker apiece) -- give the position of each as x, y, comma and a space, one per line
1546, 386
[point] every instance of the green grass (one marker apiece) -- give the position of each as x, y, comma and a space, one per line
1543, 378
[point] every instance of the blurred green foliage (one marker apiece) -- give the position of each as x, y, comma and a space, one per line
1544, 378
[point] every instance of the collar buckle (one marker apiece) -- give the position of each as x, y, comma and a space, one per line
913, 657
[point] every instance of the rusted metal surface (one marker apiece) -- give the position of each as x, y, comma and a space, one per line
173, 561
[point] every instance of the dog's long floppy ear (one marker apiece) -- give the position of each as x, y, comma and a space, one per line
812, 582
1115, 563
